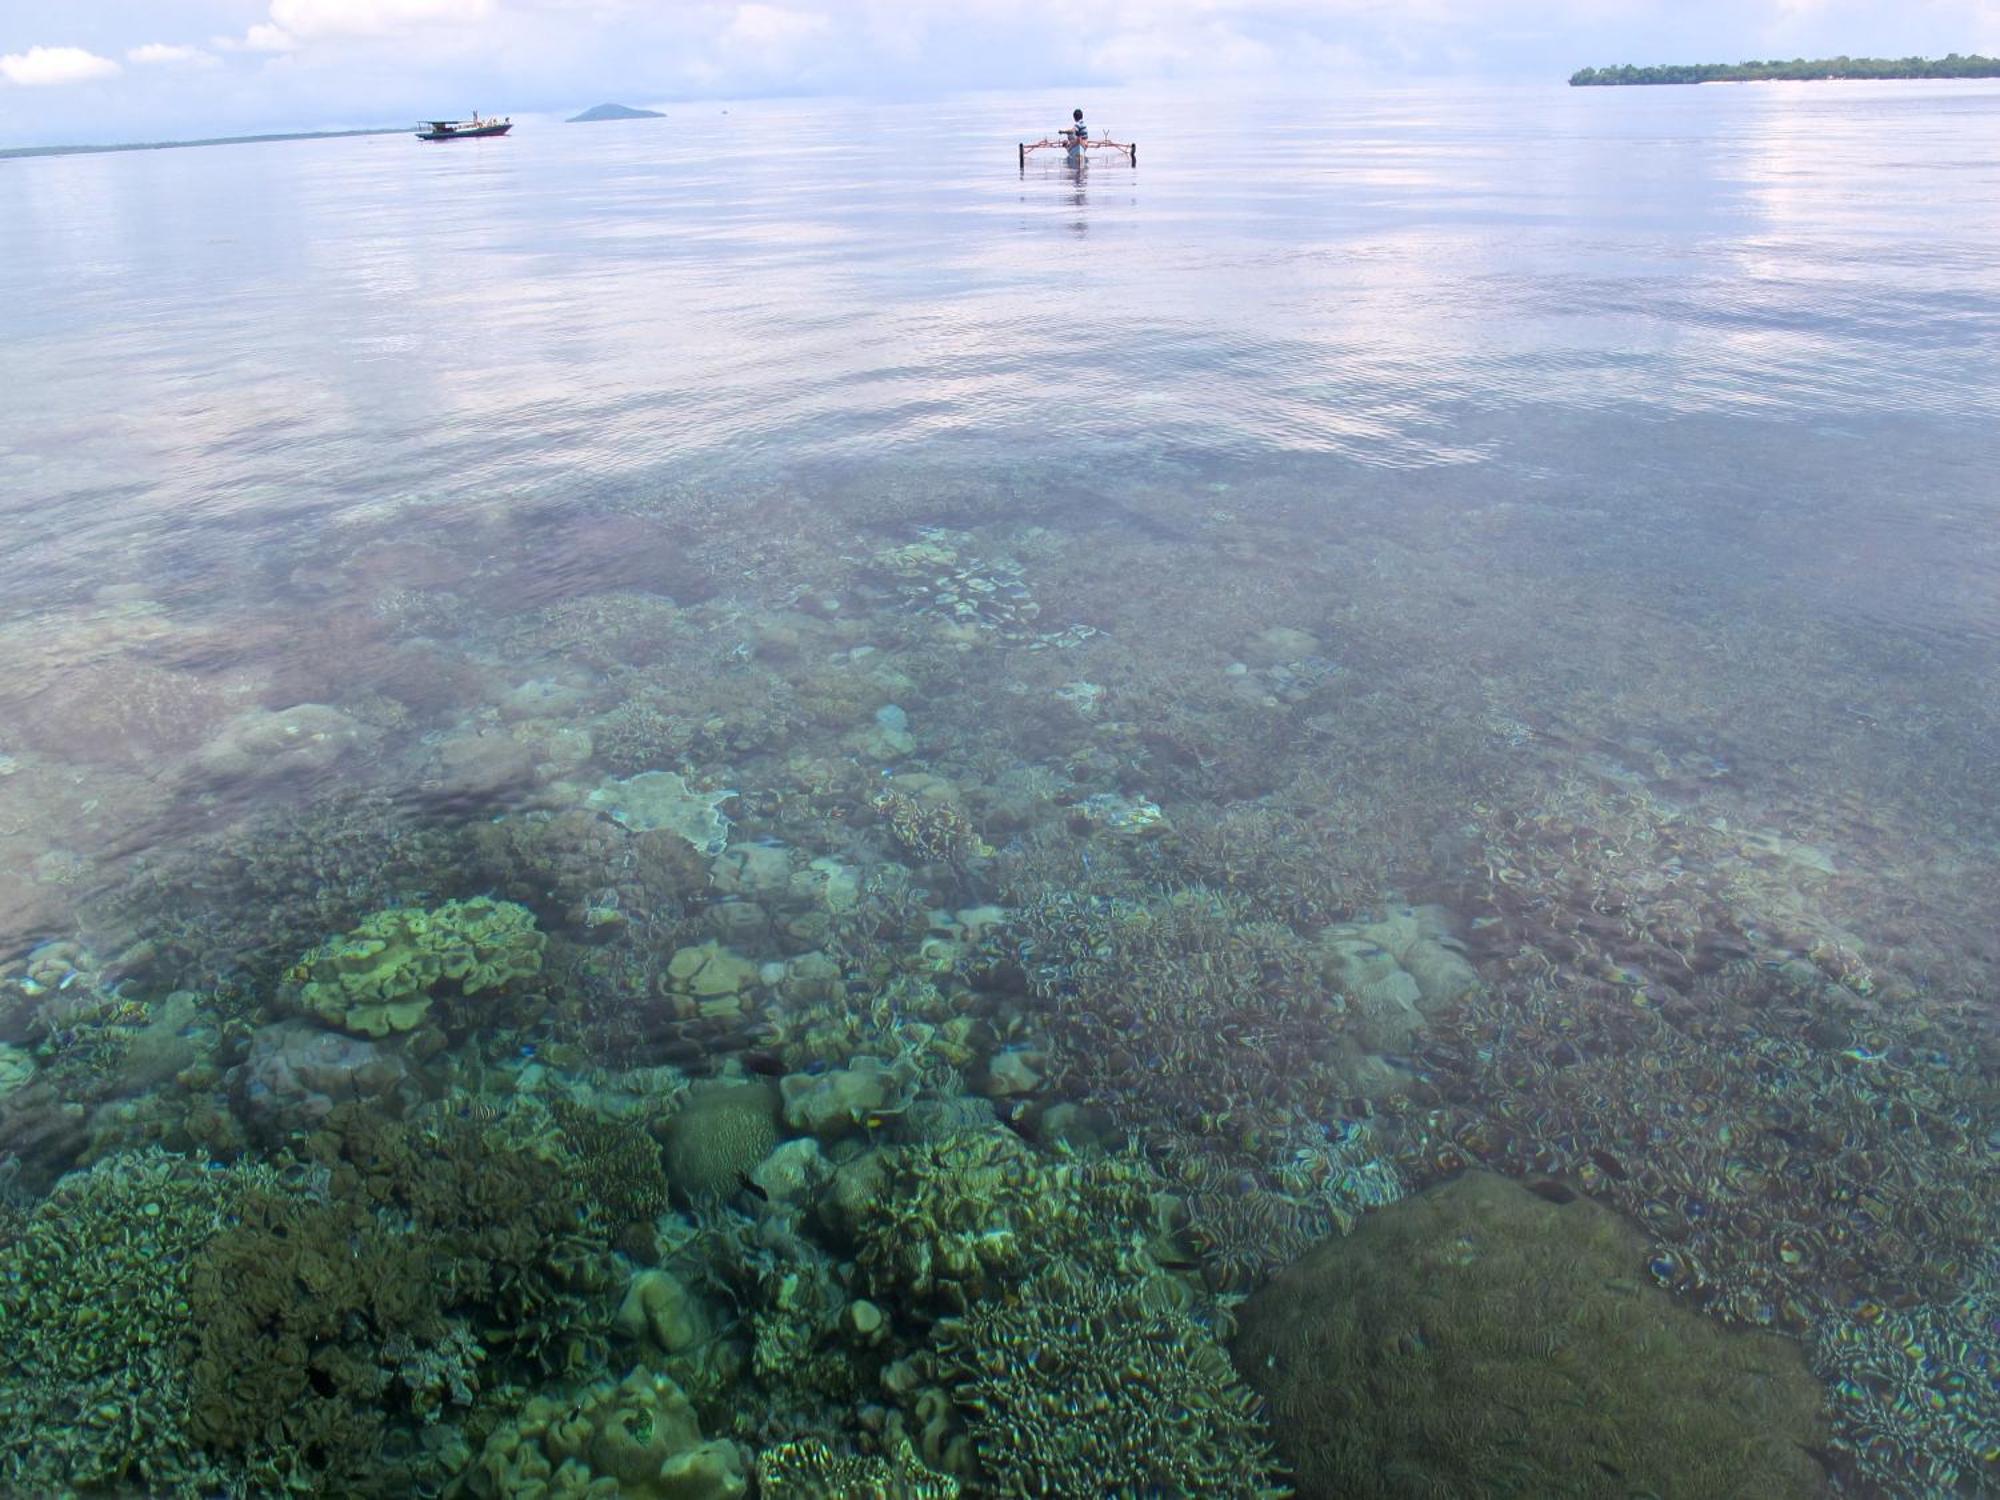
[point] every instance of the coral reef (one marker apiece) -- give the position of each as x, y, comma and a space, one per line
1479, 1339
384, 975
1084, 975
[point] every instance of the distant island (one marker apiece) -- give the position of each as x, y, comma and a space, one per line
615, 112
214, 140
1799, 69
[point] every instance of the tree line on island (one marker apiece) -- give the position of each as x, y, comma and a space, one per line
1799, 68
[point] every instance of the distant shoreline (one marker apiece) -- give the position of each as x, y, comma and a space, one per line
1797, 70
219, 140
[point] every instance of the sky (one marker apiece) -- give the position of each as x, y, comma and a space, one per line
100, 70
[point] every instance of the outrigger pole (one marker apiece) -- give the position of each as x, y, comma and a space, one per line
1130, 148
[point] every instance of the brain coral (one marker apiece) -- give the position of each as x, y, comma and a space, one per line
1478, 1340
383, 976
719, 1135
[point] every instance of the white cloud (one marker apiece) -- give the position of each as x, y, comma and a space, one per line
773, 28
170, 54
263, 37
40, 66
310, 19
296, 23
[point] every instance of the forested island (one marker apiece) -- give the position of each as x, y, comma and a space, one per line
614, 112
1798, 69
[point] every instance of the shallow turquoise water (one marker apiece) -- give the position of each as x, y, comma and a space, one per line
1566, 512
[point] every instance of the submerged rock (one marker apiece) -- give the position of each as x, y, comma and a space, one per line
1396, 972
860, 1095
296, 1073
303, 740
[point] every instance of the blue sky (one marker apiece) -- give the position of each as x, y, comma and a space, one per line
161, 69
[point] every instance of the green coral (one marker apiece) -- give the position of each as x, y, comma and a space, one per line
810, 1470
383, 976
1086, 1384
93, 1298
1477, 1339
631, 1439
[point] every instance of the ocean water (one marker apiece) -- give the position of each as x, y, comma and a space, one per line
1418, 632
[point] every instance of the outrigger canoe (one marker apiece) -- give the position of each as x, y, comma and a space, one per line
1074, 149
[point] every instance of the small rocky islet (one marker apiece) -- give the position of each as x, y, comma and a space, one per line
687, 1045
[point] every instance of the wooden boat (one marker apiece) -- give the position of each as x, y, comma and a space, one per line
459, 130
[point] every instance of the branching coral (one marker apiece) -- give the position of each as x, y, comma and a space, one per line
958, 1219
93, 1297
810, 1470
444, 1257
1083, 1385
618, 1159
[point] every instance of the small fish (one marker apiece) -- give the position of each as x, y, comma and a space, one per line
1611, 1165
749, 1185
767, 1064
1553, 1191
1178, 1264
1017, 1119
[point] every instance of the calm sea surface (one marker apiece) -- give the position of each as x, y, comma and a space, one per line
1570, 515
